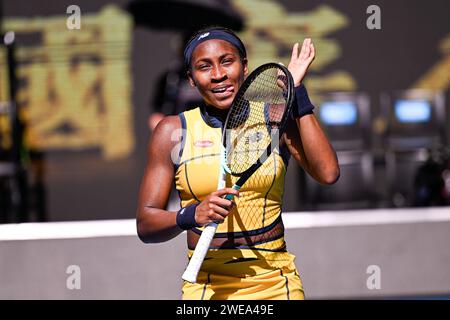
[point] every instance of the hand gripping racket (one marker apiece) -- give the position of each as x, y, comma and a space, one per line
252, 130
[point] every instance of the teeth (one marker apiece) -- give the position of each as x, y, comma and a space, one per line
220, 90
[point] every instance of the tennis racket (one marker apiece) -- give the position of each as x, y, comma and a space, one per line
252, 130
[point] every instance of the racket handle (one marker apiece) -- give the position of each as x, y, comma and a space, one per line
191, 272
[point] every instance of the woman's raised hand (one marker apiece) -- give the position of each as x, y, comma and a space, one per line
300, 62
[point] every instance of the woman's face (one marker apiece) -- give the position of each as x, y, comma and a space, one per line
217, 71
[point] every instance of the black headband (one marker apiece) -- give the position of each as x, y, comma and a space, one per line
209, 35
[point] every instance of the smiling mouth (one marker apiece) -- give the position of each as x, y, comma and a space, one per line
224, 89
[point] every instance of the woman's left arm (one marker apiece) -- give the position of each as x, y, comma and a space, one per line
304, 137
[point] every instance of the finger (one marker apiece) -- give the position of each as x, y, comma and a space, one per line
311, 55
306, 50
302, 52
294, 51
225, 191
313, 50
280, 73
281, 83
218, 209
281, 78
224, 203
215, 217
305, 41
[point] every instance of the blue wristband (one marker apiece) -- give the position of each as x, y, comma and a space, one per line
186, 217
302, 105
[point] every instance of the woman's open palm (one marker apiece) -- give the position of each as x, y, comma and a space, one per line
300, 62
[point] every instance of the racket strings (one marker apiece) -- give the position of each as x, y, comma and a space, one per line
254, 119
253, 124
258, 208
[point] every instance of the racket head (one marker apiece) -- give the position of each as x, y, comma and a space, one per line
257, 118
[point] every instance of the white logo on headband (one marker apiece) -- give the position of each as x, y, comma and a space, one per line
203, 36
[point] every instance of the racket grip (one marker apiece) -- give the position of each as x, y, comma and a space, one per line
231, 196
191, 272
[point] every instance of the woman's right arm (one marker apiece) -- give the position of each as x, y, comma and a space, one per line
154, 224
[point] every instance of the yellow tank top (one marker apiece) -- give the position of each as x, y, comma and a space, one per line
258, 209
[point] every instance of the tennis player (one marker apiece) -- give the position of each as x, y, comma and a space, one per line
248, 258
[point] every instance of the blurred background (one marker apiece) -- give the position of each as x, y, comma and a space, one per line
77, 105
